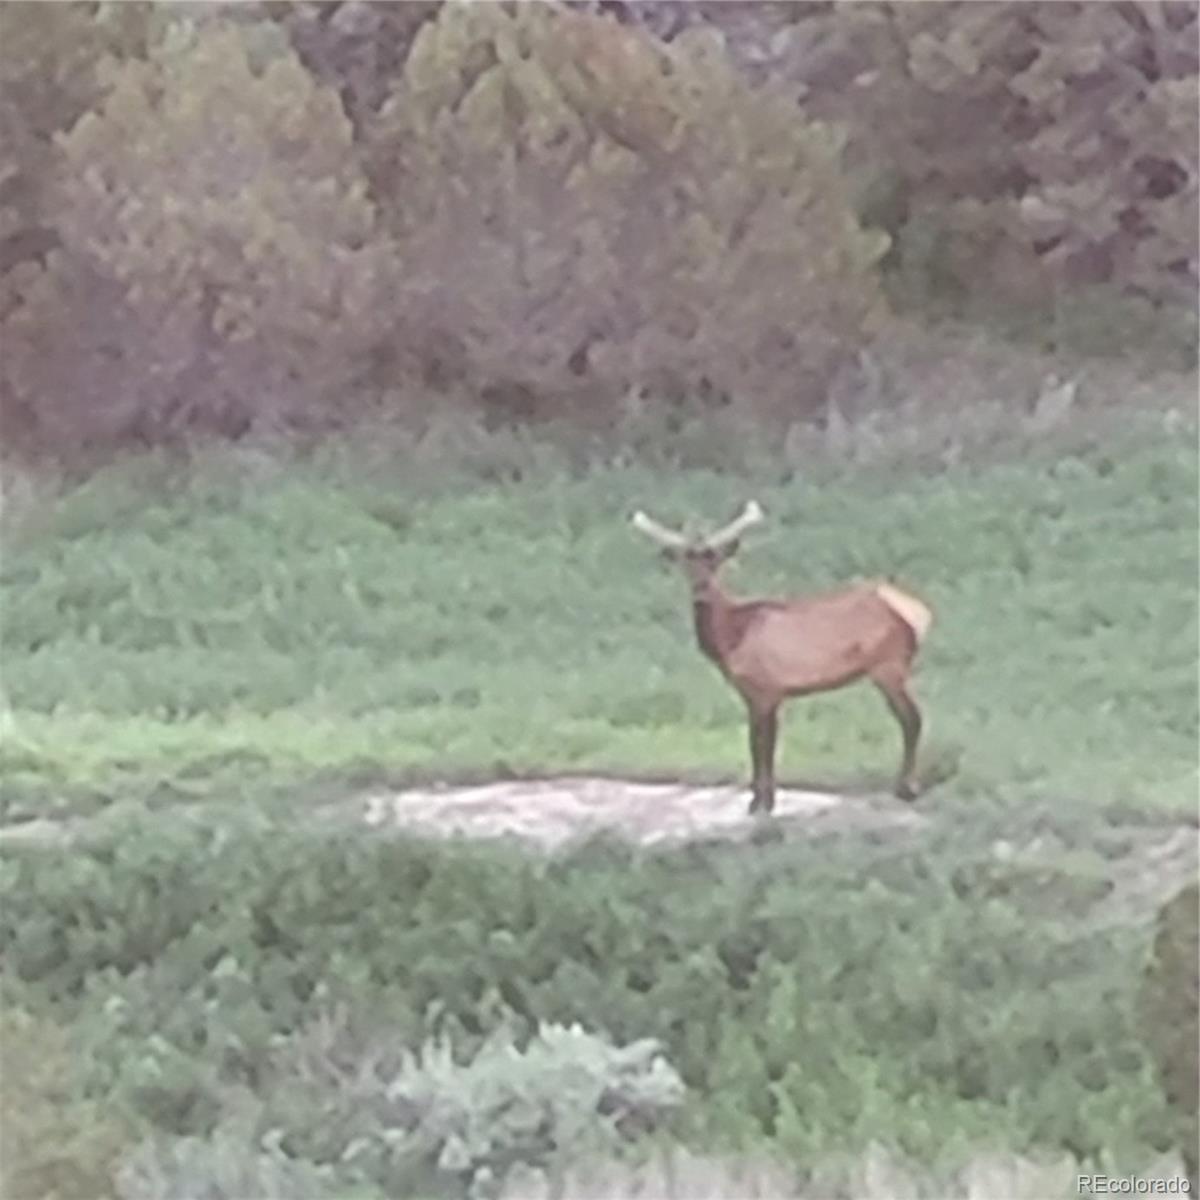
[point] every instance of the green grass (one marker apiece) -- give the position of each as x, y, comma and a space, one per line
253, 636
194, 633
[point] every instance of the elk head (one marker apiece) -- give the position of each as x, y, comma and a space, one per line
700, 557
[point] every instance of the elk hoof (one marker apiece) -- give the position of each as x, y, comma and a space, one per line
758, 806
906, 790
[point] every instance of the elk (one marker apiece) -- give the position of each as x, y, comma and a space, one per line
773, 650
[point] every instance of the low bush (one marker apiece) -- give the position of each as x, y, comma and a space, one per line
1170, 1011
461, 1126
227, 1165
54, 1143
810, 997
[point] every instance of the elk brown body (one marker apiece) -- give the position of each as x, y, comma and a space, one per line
773, 650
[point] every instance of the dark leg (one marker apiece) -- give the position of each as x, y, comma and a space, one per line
904, 709
763, 727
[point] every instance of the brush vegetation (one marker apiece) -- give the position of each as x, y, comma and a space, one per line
243, 994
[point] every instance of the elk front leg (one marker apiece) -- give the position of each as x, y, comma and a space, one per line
762, 758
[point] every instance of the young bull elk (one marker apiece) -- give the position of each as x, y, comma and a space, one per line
771, 650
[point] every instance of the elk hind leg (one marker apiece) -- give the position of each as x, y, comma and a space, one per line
763, 728
892, 681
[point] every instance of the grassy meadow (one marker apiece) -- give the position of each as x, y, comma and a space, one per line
239, 624
190, 649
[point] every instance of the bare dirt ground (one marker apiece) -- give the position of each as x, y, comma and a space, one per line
553, 813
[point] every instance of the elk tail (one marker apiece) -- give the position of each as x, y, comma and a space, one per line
916, 615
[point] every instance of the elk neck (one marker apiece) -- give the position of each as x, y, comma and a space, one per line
717, 620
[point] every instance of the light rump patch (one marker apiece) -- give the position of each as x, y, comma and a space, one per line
916, 615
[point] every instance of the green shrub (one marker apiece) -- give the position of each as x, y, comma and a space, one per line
567, 1094
228, 1165
580, 211
50, 75
1171, 1013
54, 1144
1014, 151
812, 996
1048, 143
213, 273
354, 46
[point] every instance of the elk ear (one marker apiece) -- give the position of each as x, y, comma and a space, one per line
729, 550
669, 555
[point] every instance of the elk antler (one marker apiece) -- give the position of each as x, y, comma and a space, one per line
752, 514
667, 538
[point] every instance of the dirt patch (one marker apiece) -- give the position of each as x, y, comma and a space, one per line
553, 813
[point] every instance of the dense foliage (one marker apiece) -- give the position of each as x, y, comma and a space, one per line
581, 212
213, 230
1023, 143
560, 211
223, 219
217, 972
